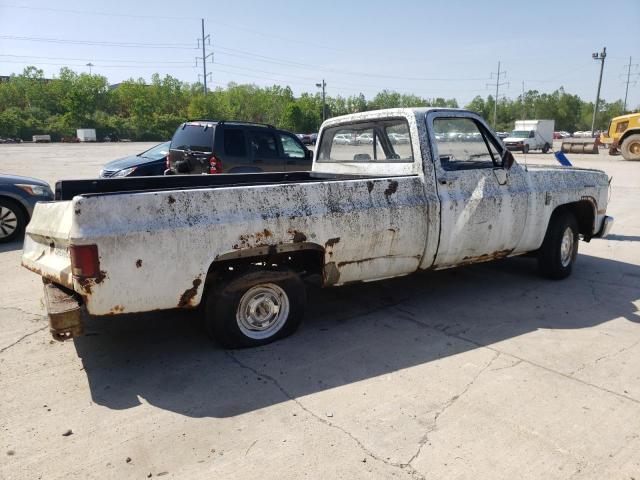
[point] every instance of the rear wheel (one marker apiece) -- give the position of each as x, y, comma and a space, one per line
560, 246
525, 149
255, 307
631, 147
545, 148
12, 220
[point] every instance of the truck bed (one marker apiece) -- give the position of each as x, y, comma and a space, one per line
67, 189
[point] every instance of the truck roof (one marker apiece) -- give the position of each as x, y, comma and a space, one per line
387, 112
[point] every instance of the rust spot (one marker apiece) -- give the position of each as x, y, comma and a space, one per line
298, 237
85, 285
356, 262
369, 186
266, 233
171, 199
486, 257
187, 296
138, 263
332, 241
101, 276
330, 274
117, 309
391, 189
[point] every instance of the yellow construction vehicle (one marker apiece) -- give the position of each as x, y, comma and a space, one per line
623, 136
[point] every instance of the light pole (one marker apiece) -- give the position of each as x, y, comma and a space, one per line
598, 56
89, 65
323, 85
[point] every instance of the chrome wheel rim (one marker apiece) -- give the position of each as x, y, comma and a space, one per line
566, 247
262, 311
8, 222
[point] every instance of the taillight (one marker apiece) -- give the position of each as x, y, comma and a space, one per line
84, 261
215, 165
167, 163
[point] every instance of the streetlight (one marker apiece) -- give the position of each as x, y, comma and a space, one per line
323, 85
598, 56
89, 65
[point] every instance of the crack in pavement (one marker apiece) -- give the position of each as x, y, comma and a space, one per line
410, 317
602, 357
23, 311
408, 468
448, 404
4, 349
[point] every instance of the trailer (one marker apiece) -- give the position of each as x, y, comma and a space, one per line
86, 134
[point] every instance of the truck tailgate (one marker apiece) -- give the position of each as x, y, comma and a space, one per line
46, 242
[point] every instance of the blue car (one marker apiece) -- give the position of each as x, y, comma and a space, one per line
18, 196
148, 163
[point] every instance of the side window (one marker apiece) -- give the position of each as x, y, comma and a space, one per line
264, 144
462, 145
290, 147
234, 144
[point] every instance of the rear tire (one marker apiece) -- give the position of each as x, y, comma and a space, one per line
12, 220
560, 246
525, 149
254, 307
545, 148
630, 147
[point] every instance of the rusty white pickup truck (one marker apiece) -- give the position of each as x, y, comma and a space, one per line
391, 192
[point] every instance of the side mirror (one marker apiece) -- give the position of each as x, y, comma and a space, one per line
532, 134
507, 160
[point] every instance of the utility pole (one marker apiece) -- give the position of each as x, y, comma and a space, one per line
598, 56
626, 92
524, 116
323, 85
498, 85
204, 40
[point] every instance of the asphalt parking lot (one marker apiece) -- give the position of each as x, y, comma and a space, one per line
486, 371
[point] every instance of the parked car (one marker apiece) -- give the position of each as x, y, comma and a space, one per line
241, 245
209, 146
344, 139
502, 135
308, 138
145, 164
18, 197
365, 138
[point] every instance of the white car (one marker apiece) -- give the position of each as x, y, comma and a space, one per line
344, 139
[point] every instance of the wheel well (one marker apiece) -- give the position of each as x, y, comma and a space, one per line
304, 262
584, 211
17, 204
626, 134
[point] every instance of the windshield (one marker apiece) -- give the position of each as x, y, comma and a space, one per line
193, 137
157, 152
520, 134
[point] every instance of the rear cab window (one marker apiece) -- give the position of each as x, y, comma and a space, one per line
197, 137
380, 141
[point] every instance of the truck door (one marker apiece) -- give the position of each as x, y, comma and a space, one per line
483, 206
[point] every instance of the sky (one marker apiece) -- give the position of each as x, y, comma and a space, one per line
431, 49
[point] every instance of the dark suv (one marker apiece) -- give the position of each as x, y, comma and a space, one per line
209, 146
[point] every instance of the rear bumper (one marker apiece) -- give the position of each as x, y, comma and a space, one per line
65, 311
607, 223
